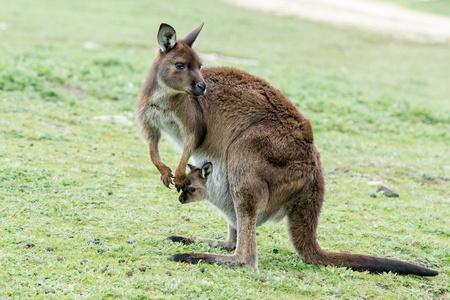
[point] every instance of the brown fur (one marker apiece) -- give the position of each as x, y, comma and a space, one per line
265, 167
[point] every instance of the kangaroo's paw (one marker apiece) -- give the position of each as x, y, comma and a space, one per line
195, 258
166, 178
181, 239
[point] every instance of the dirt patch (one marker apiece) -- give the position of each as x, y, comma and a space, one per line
363, 14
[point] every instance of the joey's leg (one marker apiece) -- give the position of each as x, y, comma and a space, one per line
246, 199
229, 244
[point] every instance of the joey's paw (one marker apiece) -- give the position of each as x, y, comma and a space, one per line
180, 239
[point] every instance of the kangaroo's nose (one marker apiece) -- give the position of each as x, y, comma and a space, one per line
201, 86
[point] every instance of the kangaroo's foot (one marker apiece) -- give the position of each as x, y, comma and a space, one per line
181, 239
226, 260
227, 245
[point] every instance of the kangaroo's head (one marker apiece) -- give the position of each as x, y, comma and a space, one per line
195, 184
178, 66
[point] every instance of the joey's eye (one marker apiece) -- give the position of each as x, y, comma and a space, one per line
180, 66
191, 190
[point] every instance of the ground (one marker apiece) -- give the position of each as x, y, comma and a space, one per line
369, 15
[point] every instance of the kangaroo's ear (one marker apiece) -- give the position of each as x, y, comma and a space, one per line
207, 170
166, 37
192, 167
191, 37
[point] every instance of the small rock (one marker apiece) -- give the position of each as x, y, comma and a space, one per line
30, 245
49, 248
22, 190
387, 190
142, 268
275, 250
373, 195
130, 241
202, 269
129, 272
100, 250
104, 269
60, 259
20, 228
110, 193
122, 261
186, 218
83, 261
262, 280
169, 273
71, 237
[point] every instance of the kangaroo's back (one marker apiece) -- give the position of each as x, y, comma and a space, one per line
236, 102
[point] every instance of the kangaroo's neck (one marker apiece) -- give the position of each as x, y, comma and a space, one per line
157, 93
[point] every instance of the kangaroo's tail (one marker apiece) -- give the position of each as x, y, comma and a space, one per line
362, 263
302, 227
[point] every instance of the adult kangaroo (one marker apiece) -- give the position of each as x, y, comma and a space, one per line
261, 149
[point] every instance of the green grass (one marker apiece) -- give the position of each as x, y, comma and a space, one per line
379, 108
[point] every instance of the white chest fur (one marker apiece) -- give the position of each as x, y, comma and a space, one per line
159, 114
166, 121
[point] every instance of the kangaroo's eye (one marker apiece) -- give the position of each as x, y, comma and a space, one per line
180, 66
191, 190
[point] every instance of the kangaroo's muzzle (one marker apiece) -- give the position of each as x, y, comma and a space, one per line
199, 88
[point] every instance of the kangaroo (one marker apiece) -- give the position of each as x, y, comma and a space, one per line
266, 166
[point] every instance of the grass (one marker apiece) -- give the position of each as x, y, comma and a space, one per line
379, 108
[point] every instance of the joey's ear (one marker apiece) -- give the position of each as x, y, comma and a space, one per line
166, 37
191, 37
207, 170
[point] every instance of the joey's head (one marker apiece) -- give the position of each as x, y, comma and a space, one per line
178, 66
195, 184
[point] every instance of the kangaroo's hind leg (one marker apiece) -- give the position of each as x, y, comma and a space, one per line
247, 192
